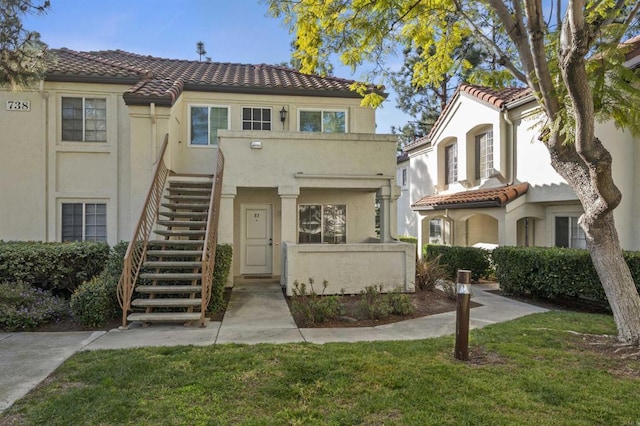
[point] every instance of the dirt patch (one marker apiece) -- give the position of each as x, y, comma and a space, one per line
624, 359
425, 303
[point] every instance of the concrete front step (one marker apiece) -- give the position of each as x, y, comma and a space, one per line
167, 303
174, 253
168, 289
176, 265
165, 317
171, 276
183, 223
181, 233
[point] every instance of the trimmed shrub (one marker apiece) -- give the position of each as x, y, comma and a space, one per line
224, 257
552, 272
373, 305
413, 240
24, 307
96, 301
477, 260
399, 303
311, 308
52, 266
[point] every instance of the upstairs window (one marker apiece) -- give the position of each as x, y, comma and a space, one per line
205, 121
84, 119
484, 155
569, 233
404, 177
319, 223
451, 164
323, 121
256, 118
84, 222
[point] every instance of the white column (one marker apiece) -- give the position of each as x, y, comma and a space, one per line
288, 225
385, 214
419, 243
225, 225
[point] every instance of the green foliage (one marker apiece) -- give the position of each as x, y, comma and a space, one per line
23, 56
373, 305
429, 271
23, 307
553, 272
224, 257
52, 266
413, 240
453, 258
311, 308
399, 303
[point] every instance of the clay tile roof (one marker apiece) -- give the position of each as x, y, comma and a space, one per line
152, 75
493, 197
634, 50
162, 92
498, 98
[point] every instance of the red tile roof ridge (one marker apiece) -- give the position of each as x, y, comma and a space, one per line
497, 195
118, 64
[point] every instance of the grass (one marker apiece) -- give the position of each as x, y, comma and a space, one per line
537, 374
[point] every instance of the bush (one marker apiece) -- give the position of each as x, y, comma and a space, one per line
373, 305
96, 301
311, 308
428, 272
23, 307
477, 260
399, 303
224, 257
52, 266
553, 272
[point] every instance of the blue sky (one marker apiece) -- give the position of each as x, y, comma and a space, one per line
232, 31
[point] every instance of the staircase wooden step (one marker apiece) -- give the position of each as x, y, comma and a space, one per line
174, 253
189, 198
186, 206
176, 243
168, 289
183, 223
180, 190
165, 317
176, 265
182, 302
171, 276
184, 215
181, 232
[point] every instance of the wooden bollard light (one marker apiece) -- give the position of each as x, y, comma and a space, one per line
463, 295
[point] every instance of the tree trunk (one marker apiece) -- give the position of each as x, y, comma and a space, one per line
614, 274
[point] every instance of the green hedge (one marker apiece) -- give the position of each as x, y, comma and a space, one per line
52, 266
96, 301
224, 257
552, 272
413, 240
477, 260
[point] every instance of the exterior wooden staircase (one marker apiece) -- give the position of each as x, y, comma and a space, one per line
171, 276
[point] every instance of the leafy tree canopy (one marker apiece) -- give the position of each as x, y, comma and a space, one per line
23, 56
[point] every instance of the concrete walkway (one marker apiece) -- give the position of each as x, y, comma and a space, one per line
257, 313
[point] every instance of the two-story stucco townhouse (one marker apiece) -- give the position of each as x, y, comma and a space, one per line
303, 167
482, 176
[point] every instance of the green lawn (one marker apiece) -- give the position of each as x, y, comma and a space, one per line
537, 374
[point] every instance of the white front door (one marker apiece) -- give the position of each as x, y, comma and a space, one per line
257, 240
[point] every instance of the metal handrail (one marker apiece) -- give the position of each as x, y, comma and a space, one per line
137, 249
211, 238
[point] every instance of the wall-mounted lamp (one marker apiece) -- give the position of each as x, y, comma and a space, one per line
256, 145
283, 116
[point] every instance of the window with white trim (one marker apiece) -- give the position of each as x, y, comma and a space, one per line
323, 121
84, 222
256, 118
204, 122
322, 223
569, 233
451, 163
404, 177
84, 119
484, 154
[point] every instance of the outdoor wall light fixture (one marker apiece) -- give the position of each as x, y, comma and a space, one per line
256, 145
283, 116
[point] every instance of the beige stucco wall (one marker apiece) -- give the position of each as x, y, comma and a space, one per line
350, 267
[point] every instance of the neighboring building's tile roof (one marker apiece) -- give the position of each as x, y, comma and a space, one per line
160, 78
494, 197
402, 157
498, 98
635, 47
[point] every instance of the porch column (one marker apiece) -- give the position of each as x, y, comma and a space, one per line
288, 213
419, 243
384, 194
225, 220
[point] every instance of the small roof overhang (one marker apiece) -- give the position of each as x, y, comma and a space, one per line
480, 198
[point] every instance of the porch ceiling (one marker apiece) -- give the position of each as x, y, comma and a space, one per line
494, 197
